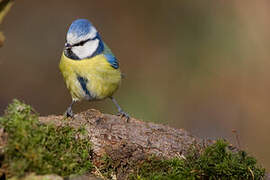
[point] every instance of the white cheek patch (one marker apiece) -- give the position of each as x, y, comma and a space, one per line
87, 50
73, 38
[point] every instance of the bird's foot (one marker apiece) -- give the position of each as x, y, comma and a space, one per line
69, 113
123, 114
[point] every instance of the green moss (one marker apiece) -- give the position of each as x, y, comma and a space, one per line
107, 168
214, 162
40, 148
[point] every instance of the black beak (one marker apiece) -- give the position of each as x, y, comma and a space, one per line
67, 46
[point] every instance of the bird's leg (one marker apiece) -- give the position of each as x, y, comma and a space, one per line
120, 110
69, 112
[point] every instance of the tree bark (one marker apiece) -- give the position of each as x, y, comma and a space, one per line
111, 132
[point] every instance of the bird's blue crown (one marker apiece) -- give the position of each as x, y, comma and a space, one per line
80, 27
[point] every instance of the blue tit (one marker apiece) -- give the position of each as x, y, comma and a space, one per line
90, 69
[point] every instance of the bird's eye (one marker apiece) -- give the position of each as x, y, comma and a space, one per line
81, 43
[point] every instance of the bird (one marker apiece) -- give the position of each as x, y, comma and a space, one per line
89, 68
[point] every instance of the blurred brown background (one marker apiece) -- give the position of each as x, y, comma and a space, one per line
199, 65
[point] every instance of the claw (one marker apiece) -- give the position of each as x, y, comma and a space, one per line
120, 111
123, 114
69, 113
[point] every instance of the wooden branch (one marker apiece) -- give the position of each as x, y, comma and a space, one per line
5, 6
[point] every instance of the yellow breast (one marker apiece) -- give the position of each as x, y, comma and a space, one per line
102, 80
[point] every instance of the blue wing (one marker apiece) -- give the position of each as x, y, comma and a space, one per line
112, 60
110, 57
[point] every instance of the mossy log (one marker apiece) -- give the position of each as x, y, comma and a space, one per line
106, 146
130, 143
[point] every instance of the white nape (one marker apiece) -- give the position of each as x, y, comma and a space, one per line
87, 49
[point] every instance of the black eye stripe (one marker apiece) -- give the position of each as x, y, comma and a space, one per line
82, 42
